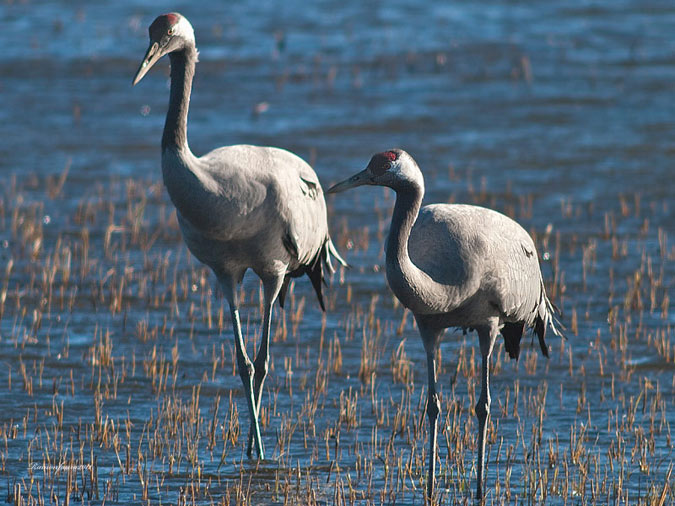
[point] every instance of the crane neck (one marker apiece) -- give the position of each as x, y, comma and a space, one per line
406, 209
412, 286
182, 72
406, 280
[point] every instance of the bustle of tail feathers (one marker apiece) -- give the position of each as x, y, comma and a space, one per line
315, 270
546, 317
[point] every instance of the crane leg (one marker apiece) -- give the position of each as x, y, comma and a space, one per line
487, 336
244, 364
271, 289
246, 372
433, 410
431, 337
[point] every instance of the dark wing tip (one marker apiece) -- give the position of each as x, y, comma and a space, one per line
283, 290
540, 330
316, 277
512, 333
314, 271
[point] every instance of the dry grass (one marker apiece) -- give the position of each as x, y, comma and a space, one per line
120, 382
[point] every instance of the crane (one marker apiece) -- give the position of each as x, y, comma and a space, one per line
455, 265
239, 207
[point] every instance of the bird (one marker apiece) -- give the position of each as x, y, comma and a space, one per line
458, 265
239, 207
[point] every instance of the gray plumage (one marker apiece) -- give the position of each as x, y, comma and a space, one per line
239, 207
461, 266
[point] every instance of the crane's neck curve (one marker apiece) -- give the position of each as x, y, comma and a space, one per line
413, 287
182, 72
406, 209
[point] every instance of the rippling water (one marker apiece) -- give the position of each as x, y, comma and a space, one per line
561, 114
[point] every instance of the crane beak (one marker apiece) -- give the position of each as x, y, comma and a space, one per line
359, 179
151, 56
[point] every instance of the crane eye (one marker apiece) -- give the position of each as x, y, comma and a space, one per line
170, 32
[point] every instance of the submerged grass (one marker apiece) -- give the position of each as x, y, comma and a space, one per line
120, 383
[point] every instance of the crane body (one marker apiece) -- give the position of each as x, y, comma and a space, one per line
239, 207
456, 265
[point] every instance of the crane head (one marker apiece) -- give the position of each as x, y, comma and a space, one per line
389, 168
168, 33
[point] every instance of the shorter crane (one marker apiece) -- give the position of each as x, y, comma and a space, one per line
461, 266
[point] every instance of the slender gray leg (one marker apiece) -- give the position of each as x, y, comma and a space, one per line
261, 363
244, 365
487, 336
431, 337
433, 410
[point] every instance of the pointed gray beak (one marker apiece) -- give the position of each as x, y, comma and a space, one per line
151, 56
358, 179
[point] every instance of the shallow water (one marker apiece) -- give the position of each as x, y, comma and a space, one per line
560, 115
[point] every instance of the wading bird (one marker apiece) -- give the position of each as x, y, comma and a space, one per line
461, 266
239, 207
